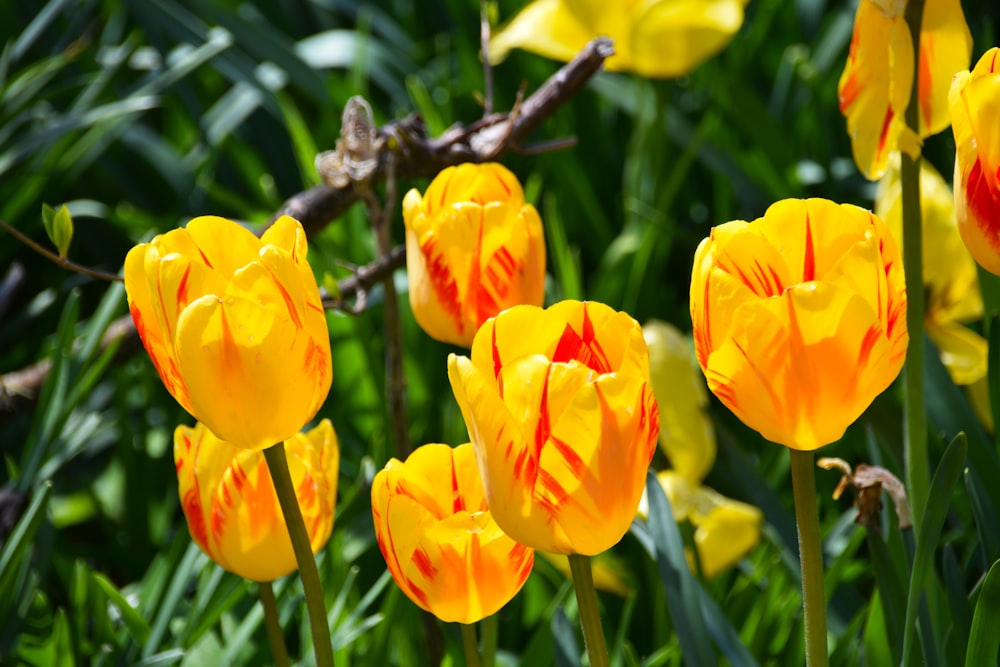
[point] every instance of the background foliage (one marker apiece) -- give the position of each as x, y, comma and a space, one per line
142, 114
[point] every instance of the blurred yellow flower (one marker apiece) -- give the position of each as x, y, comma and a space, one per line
877, 81
800, 318
234, 325
974, 101
438, 538
951, 280
563, 421
654, 38
473, 248
725, 529
231, 507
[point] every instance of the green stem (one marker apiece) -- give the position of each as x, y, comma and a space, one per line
915, 432
277, 464
274, 634
469, 644
490, 633
590, 617
810, 557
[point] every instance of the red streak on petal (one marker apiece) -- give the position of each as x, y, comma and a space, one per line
704, 332
457, 500
809, 262
872, 336
182, 289
584, 348
984, 204
925, 80
424, 564
883, 137
239, 478
443, 283
293, 312
497, 362
195, 516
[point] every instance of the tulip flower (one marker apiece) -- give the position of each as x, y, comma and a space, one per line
974, 102
951, 280
563, 421
234, 325
473, 248
654, 38
439, 539
231, 507
725, 529
800, 318
877, 81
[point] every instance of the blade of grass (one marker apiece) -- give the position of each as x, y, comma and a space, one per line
984, 638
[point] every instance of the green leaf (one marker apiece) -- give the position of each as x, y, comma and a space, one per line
133, 620
566, 649
984, 638
945, 478
681, 587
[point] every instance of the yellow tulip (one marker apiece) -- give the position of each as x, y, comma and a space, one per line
725, 530
875, 87
800, 318
232, 510
686, 434
438, 538
473, 248
563, 421
234, 325
974, 102
951, 280
654, 38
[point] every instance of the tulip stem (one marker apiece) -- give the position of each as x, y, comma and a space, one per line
489, 631
810, 557
590, 616
277, 464
470, 645
915, 432
274, 634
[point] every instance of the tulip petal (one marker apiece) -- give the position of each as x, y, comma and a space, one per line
669, 39
229, 377
546, 27
963, 351
945, 49
223, 245
782, 371
726, 535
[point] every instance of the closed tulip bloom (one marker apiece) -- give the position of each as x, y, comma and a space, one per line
231, 507
951, 280
875, 87
563, 421
439, 539
234, 326
800, 318
974, 101
653, 38
473, 248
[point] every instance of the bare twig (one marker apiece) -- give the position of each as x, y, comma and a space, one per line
418, 156
61, 261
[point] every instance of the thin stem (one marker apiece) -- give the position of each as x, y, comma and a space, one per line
381, 217
810, 557
590, 616
61, 261
470, 645
484, 44
490, 633
277, 464
274, 634
915, 431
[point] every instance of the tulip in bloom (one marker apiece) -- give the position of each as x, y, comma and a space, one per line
231, 506
438, 538
473, 248
974, 102
800, 318
653, 38
563, 422
234, 325
725, 529
951, 280
878, 78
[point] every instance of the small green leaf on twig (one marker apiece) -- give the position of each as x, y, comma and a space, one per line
58, 225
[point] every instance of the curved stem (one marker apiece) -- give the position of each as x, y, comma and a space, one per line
490, 632
277, 464
915, 431
810, 557
469, 644
274, 634
590, 617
